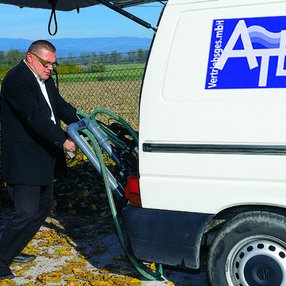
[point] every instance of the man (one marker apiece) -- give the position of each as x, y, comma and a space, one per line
32, 147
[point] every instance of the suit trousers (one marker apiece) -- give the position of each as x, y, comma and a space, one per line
32, 206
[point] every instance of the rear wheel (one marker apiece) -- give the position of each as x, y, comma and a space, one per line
250, 250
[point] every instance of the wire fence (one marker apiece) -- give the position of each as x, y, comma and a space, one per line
115, 87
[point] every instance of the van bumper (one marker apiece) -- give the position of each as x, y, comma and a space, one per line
167, 237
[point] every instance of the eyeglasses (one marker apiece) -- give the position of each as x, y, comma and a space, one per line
45, 63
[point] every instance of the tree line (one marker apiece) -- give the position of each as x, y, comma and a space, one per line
13, 56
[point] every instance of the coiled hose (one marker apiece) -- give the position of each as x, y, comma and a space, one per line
140, 267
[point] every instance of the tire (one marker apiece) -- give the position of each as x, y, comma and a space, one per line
250, 250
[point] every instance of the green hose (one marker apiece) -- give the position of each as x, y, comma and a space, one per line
112, 137
117, 118
147, 272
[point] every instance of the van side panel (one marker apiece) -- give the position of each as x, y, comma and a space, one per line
213, 136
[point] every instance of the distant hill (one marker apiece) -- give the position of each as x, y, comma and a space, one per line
69, 46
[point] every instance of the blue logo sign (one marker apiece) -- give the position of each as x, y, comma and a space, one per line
247, 53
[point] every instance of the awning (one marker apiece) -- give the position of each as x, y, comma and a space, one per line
68, 5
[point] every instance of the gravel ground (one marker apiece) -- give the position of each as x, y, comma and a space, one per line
78, 244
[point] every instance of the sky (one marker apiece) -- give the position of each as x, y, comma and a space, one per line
94, 21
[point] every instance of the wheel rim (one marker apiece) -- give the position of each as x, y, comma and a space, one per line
257, 261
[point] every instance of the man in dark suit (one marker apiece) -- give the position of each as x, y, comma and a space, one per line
33, 145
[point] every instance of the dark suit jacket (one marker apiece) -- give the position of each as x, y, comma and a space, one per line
31, 142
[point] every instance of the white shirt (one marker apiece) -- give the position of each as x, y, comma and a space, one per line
45, 93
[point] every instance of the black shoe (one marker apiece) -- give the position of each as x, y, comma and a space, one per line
24, 258
9, 275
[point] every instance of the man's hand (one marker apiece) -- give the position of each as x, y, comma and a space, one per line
70, 145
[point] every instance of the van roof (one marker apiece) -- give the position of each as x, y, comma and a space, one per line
68, 5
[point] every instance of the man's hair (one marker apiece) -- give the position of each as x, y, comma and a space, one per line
41, 44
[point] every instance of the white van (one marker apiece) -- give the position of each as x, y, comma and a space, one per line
212, 142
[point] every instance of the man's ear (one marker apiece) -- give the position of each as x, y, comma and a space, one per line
29, 57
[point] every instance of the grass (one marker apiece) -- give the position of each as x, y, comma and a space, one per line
111, 73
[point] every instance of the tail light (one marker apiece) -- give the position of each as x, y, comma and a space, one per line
132, 191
